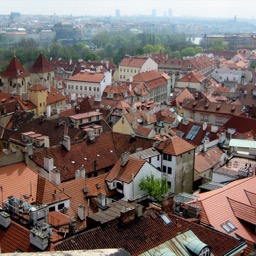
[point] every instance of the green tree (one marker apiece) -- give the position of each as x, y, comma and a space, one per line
218, 44
189, 51
199, 49
154, 186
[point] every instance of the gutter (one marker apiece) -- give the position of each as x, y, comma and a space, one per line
236, 250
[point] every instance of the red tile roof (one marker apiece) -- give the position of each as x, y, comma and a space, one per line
193, 77
41, 65
146, 233
16, 237
94, 156
174, 146
133, 61
37, 87
45, 191
18, 180
125, 173
54, 96
87, 77
74, 188
15, 70
241, 124
217, 209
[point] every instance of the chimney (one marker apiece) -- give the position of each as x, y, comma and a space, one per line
66, 142
81, 212
204, 126
48, 164
124, 158
82, 171
77, 174
127, 216
55, 176
5, 219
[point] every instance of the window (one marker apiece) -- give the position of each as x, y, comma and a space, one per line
149, 160
158, 157
167, 157
52, 209
169, 184
119, 186
90, 88
228, 226
164, 168
81, 87
205, 251
61, 206
76, 87
169, 170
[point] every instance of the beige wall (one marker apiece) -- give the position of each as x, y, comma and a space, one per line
45, 79
38, 98
123, 126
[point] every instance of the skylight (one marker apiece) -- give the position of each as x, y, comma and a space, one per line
228, 226
166, 220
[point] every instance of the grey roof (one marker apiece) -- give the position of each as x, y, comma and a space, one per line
185, 197
211, 185
145, 154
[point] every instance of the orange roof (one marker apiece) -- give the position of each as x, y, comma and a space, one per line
174, 146
57, 218
133, 61
54, 96
221, 205
18, 180
15, 69
74, 188
37, 87
15, 237
41, 65
193, 77
46, 190
125, 173
208, 160
87, 77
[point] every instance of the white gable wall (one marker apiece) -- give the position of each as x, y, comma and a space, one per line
132, 189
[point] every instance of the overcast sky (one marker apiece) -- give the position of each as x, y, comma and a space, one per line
201, 8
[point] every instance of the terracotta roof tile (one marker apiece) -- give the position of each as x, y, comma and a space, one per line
74, 188
46, 190
41, 65
217, 202
16, 237
15, 70
174, 146
18, 180
125, 173
37, 87
145, 234
94, 156
133, 61
56, 219
128, 143
54, 96
87, 77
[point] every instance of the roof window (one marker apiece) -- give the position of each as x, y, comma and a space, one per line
228, 226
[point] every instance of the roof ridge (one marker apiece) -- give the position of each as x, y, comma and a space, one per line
225, 188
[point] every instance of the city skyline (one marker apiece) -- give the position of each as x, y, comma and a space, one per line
193, 8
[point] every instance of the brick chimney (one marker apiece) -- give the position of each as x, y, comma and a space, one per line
127, 216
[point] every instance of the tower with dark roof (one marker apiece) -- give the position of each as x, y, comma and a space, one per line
42, 72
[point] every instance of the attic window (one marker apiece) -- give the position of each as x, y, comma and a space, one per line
97, 186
